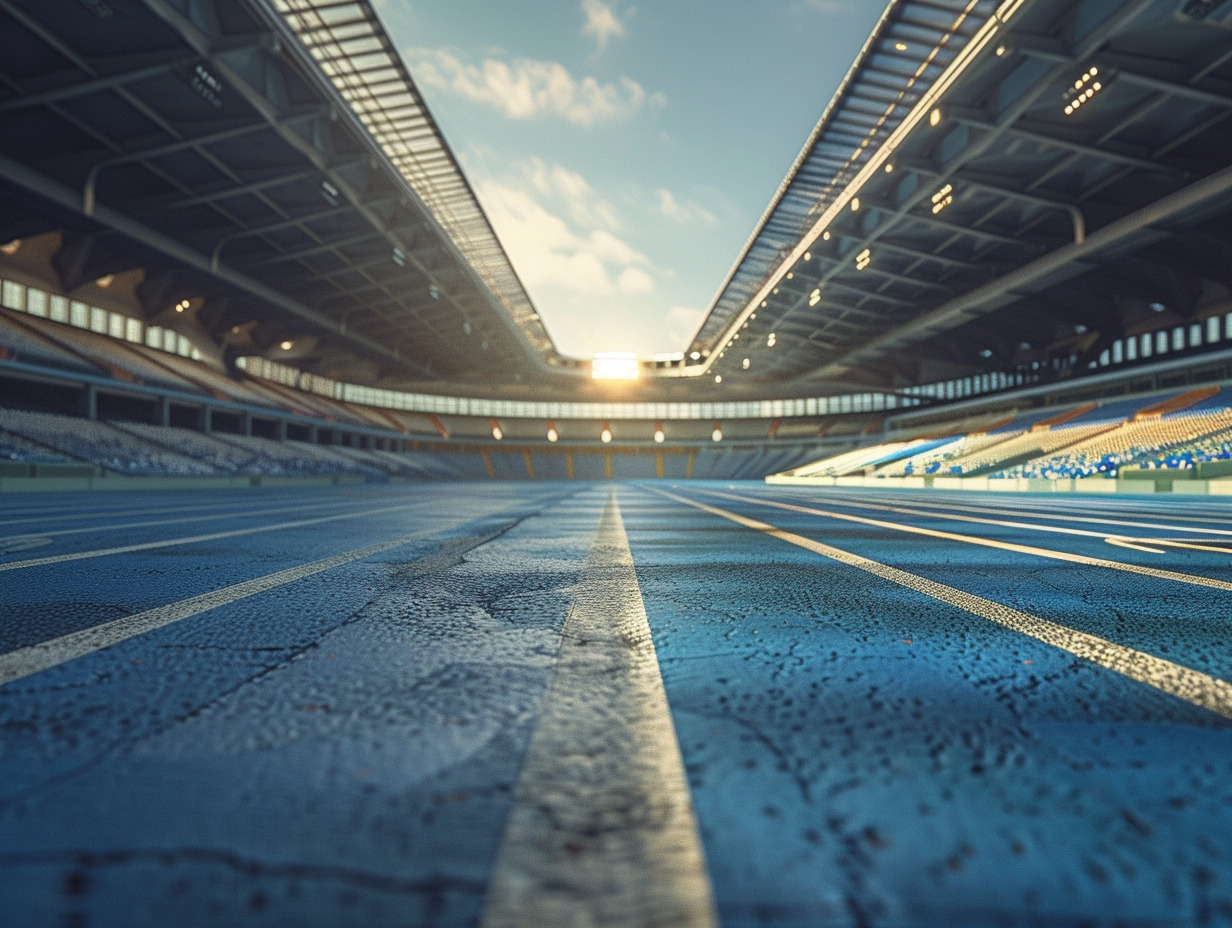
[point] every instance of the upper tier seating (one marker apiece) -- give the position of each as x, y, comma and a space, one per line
23, 344
113, 354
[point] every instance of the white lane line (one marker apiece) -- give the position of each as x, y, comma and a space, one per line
249, 514
149, 545
951, 510
1193, 686
59, 514
602, 830
1155, 572
25, 661
942, 515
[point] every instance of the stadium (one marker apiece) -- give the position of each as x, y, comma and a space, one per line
337, 592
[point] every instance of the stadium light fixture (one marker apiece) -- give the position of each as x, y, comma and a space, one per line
434, 291
934, 118
745, 364
1001, 50
808, 256
1084, 89
985, 353
497, 432
605, 435
771, 339
695, 356
943, 198
11, 247
864, 259
815, 297
889, 167
717, 433
718, 378
900, 46
855, 204
553, 435
1157, 307
614, 365
105, 281
658, 433
182, 305
286, 345
825, 236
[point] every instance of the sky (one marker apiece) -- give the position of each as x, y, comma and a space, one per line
625, 152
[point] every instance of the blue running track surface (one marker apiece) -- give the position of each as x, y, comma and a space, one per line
439, 706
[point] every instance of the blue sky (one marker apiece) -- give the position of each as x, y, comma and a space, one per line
625, 152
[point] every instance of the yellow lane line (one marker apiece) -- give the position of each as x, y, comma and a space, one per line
602, 830
1193, 686
1155, 572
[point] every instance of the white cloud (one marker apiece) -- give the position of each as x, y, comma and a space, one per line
668, 206
584, 206
525, 87
577, 252
601, 23
635, 280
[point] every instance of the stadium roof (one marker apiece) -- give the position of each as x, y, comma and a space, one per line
351, 46
201, 142
995, 184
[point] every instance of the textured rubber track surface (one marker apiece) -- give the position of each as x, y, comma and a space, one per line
327, 707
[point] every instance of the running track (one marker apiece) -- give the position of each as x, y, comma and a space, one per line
631, 704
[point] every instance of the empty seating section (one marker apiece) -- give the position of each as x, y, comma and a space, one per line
995, 458
112, 352
1126, 444
1214, 447
204, 375
1173, 430
935, 458
15, 448
22, 344
101, 444
219, 454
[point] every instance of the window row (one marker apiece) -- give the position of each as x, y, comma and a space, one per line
58, 308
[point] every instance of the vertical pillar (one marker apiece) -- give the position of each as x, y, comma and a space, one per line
89, 402
281, 430
164, 411
314, 433
247, 424
207, 419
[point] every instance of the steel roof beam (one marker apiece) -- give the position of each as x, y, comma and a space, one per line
1038, 132
84, 88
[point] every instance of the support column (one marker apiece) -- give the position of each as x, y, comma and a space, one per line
89, 402
247, 424
281, 430
207, 419
164, 411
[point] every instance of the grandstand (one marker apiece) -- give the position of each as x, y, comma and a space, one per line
409, 618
